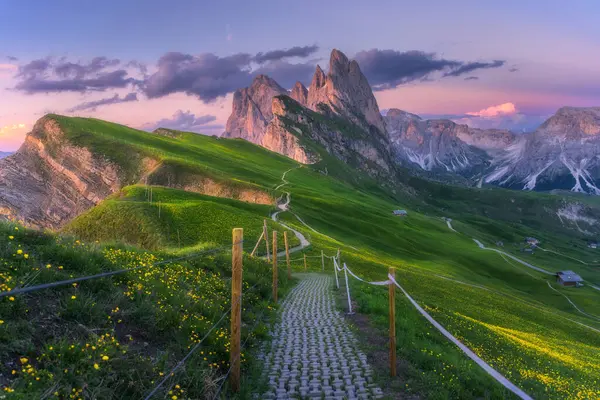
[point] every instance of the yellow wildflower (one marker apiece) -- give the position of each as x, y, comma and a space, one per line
73, 297
19, 251
104, 358
96, 366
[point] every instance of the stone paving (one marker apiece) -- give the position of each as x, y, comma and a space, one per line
313, 353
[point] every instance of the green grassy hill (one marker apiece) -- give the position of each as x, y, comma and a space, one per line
502, 310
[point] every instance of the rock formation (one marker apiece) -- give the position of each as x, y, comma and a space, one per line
48, 181
299, 93
346, 92
252, 109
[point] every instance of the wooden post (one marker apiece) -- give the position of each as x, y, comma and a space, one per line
266, 236
287, 255
392, 296
322, 261
257, 243
236, 308
304, 262
275, 267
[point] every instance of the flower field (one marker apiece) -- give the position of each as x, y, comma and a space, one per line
117, 337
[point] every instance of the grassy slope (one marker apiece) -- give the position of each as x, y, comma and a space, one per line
519, 325
174, 219
117, 337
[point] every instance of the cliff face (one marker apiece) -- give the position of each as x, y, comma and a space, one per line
345, 91
252, 109
339, 113
48, 181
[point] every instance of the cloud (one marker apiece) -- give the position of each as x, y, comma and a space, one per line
8, 128
471, 78
495, 111
501, 116
186, 121
296, 51
387, 69
513, 69
92, 105
51, 76
287, 74
472, 66
11, 58
206, 76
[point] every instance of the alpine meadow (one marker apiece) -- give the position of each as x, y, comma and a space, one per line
298, 235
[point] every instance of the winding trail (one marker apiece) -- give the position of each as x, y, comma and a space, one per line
481, 246
564, 255
282, 207
573, 304
313, 353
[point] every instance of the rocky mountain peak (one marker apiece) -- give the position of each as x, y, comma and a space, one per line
252, 109
299, 93
400, 114
573, 122
345, 91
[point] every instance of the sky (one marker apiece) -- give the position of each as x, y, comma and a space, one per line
176, 64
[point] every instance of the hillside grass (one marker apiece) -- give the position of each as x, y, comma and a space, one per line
175, 219
512, 319
117, 337
515, 322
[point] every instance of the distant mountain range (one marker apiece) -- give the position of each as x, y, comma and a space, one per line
340, 114
5, 154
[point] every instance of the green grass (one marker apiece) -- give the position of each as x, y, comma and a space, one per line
115, 337
174, 219
514, 321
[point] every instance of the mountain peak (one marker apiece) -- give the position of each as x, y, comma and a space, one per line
299, 93
337, 60
573, 122
251, 111
345, 91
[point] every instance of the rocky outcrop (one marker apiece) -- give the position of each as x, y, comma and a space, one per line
251, 110
338, 112
346, 92
334, 134
433, 145
300, 93
48, 181
563, 153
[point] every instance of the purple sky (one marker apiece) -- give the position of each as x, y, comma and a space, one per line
508, 64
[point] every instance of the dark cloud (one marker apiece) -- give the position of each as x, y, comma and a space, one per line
206, 76
387, 69
50, 76
186, 121
296, 51
472, 66
108, 80
92, 105
143, 68
513, 69
11, 58
471, 78
287, 74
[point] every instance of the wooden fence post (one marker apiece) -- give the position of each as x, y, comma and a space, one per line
322, 261
260, 238
304, 262
392, 298
266, 235
236, 307
287, 255
274, 266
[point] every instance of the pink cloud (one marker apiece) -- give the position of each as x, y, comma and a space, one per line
495, 111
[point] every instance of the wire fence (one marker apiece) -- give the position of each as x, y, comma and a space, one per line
468, 352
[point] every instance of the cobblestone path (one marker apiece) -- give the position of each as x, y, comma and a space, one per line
313, 353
